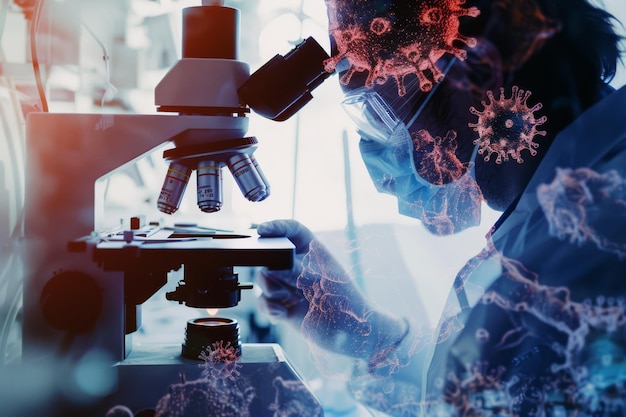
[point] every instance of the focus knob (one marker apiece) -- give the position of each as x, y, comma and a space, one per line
71, 301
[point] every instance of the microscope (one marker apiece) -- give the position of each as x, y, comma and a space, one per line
87, 275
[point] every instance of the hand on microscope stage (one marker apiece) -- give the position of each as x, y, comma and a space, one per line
281, 299
320, 297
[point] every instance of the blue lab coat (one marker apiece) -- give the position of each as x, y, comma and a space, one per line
535, 325
541, 322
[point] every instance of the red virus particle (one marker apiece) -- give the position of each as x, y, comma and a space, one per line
507, 126
220, 361
386, 51
440, 21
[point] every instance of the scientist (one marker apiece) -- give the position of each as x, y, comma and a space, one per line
459, 103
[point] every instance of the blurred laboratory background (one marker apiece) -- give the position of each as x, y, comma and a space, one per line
106, 56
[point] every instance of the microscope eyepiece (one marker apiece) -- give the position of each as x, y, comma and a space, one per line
283, 85
210, 32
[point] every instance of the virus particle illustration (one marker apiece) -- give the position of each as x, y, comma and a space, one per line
293, 399
219, 392
438, 161
220, 361
584, 206
386, 46
520, 23
507, 126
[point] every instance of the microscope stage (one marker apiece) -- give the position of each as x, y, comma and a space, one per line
115, 252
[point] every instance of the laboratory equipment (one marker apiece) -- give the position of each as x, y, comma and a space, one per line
87, 274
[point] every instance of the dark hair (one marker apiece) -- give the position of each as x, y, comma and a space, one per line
568, 71
563, 51
590, 32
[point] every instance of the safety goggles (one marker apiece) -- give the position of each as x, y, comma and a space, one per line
373, 117
378, 111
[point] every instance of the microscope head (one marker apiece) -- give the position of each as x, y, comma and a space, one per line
210, 81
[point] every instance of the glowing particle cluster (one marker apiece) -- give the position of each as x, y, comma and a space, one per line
206, 397
438, 161
387, 49
507, 126
219, 392
577, 202
220, 361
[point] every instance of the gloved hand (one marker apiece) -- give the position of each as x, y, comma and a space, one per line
320, 297
281, 299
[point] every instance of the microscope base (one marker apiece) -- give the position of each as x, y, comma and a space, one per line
260, 383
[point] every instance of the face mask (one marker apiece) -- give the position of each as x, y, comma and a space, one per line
383, 120
443, 209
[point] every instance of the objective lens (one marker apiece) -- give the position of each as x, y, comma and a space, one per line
211, 333
261, 175
209, 185
173, 188
247, 177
